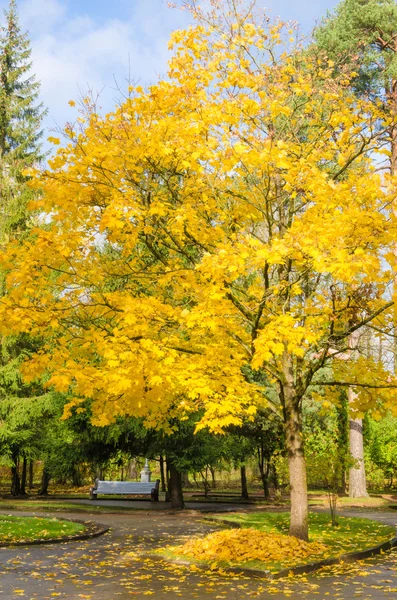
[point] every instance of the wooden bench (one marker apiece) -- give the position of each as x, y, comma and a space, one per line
130, 488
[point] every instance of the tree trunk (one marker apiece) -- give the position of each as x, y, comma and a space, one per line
357, 478
213, 480
299, 526
244, 487
45, 480
15, 481
175, 486
31, 466
185, 480
162, 475
23, 477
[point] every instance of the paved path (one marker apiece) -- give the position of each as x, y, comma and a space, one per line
109, 567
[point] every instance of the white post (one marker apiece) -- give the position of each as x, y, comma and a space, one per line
146, 473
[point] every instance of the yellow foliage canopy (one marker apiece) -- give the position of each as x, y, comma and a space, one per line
229, 216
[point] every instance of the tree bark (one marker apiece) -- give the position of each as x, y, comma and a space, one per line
175, 486
45, 480
357, 478
213, 479
15, 481
264, 471
23, 476
31, 466
299, 525
162, 475
244, 487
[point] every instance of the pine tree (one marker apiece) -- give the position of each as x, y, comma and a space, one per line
22, 407
362, 36
20, 122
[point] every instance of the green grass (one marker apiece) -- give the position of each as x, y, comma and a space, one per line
352, 534
56, 506
26, 529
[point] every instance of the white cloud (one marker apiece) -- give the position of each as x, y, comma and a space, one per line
74, 52
40, 15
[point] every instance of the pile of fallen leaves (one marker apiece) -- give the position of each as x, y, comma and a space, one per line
246, 545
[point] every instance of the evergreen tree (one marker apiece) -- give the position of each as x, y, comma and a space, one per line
20, 123
22, 407
361, 35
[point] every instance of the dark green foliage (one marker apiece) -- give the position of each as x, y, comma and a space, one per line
20, 123
362, 34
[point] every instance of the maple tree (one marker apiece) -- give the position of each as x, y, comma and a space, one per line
203, 247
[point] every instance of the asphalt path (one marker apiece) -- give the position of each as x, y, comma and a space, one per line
116, 566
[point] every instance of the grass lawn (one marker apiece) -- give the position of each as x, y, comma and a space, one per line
27, 529
59, 506
352, 534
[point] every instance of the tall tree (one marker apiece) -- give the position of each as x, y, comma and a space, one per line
362, 36
21, 116
247, 224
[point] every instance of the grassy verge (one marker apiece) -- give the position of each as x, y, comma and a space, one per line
346, 502
57, 506
351, 535
27, 529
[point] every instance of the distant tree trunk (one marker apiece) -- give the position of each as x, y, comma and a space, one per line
274, 477
15, 481
31, 466
162, 475
264, 469
244, 487
186, 483
77, 480
212, 471
175, 486
45, 480
357, 478
22, 490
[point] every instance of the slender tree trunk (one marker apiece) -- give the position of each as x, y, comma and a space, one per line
299, 525
244, 487
263, 472
185, 480
15, 481
175, 486
45, 480
357, 478
213, 480
31, 466
23, 476
162, 475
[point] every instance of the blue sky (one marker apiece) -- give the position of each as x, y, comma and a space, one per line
81, 44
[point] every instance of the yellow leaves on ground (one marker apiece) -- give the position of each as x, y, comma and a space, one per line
247, 545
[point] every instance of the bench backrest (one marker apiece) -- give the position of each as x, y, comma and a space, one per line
124, 487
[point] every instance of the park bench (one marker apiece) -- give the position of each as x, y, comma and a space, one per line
130, 488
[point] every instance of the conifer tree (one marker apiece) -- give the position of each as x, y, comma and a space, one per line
20, 122
362, 35
21, 114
